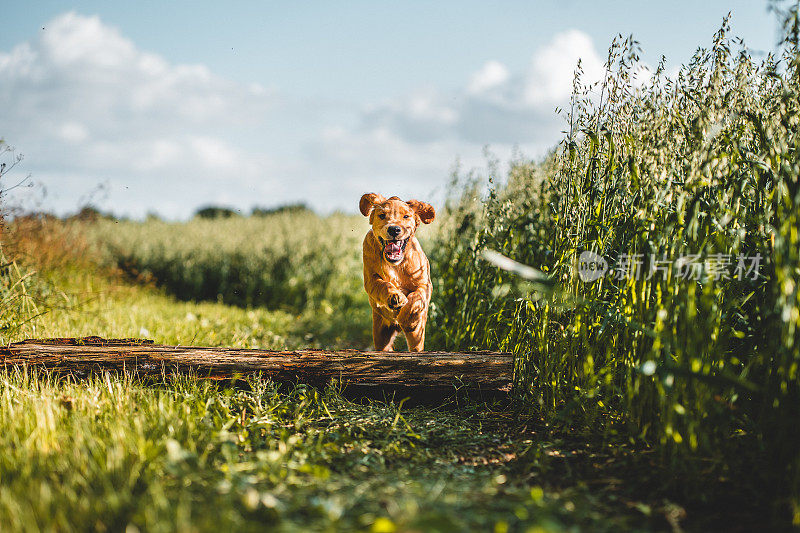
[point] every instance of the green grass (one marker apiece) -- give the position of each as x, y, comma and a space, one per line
109, 306
111, 452
699, 367
639, 403
297, 262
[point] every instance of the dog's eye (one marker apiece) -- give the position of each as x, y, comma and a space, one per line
381, 216
406, 216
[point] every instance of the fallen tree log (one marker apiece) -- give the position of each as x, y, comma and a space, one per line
427, 372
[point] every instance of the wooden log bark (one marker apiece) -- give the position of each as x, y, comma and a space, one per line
429, 372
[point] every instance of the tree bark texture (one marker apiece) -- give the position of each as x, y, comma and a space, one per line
426, 371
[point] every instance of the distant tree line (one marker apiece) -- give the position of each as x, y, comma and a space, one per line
90, 213
214, 211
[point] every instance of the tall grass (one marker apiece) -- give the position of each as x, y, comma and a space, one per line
18, 299
297, 262
28, 245
705, 166
283, 260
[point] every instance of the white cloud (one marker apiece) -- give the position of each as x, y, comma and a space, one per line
381, 160
81, 99
549, 79
73, 132
491, 75
87, 106
215, 153
495, 107
408, 145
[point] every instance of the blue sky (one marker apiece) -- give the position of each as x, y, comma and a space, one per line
166, 106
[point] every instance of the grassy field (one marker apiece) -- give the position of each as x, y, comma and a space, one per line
296, 262
113, 453
660, 395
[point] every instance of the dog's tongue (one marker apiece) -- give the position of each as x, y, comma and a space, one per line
394, 250
394, 247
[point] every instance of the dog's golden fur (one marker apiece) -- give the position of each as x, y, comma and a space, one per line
399, 289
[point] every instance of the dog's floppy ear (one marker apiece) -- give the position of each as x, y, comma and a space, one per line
424, 211
368, 201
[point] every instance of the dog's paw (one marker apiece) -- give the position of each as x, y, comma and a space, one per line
411, 314
396, 300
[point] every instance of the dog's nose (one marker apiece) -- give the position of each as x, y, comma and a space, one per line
394, 231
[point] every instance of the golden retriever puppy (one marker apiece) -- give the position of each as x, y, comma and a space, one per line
396, 271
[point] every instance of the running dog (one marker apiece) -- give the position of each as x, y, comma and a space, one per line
396, 271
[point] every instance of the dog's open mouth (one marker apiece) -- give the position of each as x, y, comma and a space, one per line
393, 250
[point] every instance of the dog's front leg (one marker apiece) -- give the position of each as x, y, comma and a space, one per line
412, 318
414, 311
385, 293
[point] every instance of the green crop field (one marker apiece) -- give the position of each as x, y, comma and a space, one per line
113, 453
296, 262
662, 393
